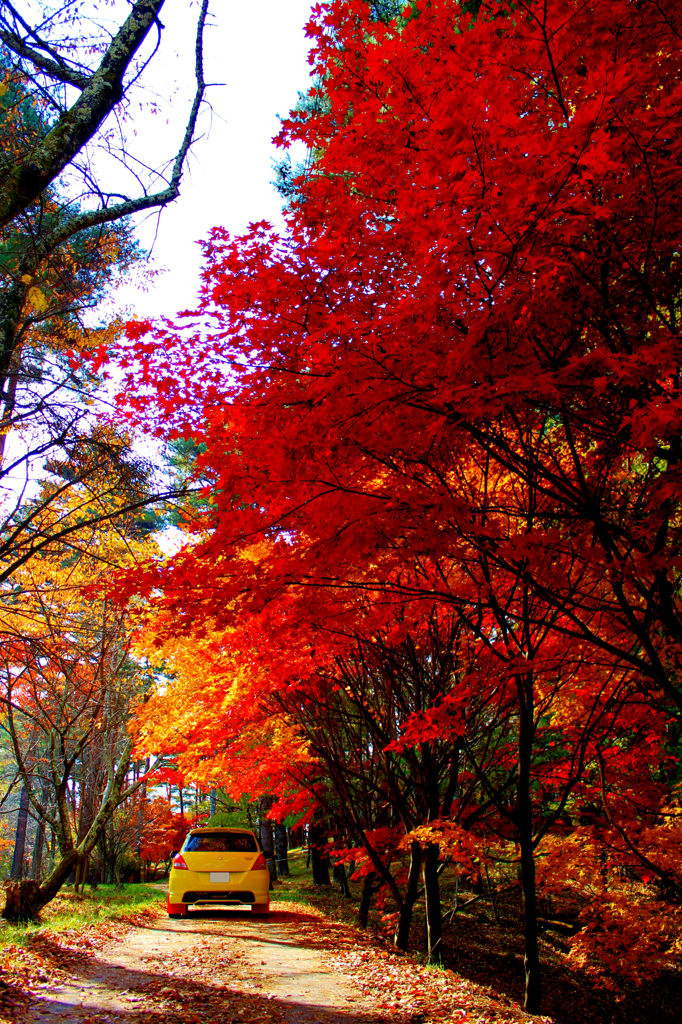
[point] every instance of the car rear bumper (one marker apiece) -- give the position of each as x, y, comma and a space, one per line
223, 896
194, 887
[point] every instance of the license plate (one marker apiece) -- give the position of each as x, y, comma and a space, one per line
220, 876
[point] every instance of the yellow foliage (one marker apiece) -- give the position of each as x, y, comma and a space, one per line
628, 929
202, 686
36, 300
55, 586
452, 841
626, 938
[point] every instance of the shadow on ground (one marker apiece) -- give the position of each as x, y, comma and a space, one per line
492, 955
186, 997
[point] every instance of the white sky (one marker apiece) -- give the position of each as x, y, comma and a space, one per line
259, 50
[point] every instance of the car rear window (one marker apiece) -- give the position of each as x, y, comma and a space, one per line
221, 842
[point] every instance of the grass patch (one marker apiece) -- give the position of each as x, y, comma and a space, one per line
70, 911
298, 887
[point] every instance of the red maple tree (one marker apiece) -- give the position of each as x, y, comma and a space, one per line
455, 379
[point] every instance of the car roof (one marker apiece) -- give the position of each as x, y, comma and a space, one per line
220, 828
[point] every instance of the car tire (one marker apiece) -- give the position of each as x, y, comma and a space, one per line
260, 909
177, 909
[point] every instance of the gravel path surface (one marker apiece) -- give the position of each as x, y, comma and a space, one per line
223, 967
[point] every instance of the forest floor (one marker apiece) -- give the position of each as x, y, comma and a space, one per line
116, 957
484, 950
299, 966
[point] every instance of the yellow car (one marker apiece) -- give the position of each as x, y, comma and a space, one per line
219, 865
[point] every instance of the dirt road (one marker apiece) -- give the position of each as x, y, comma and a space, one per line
226, 967
296, 967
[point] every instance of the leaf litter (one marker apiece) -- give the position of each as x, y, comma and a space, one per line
408, 992
217, 977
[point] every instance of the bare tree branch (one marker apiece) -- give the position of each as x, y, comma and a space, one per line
32, 175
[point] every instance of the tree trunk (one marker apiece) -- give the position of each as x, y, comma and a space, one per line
92, 785
25, 899
82, 874
282, 845
366, 899
26, 902
22, 900
142, 799
318, 855
110, 856
531, 959
434, 919
491, 890
12, 378
297, 837
17, 871
533, 994
266, 839
340, 879
402, 932
39, 844
30, 175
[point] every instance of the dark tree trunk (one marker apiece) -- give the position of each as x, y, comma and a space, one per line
297, 838
108, 854
317, 837
25, 899
92, 785
282, 845
453, 780
142, 799
366, 899
266, 838
533, 993
434, 919
531, 960
17, 871
22, 900
340, 879
402, 932
52, 848
78, 876
39, 844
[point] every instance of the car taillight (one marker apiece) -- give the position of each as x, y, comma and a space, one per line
261, 864
179, 863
